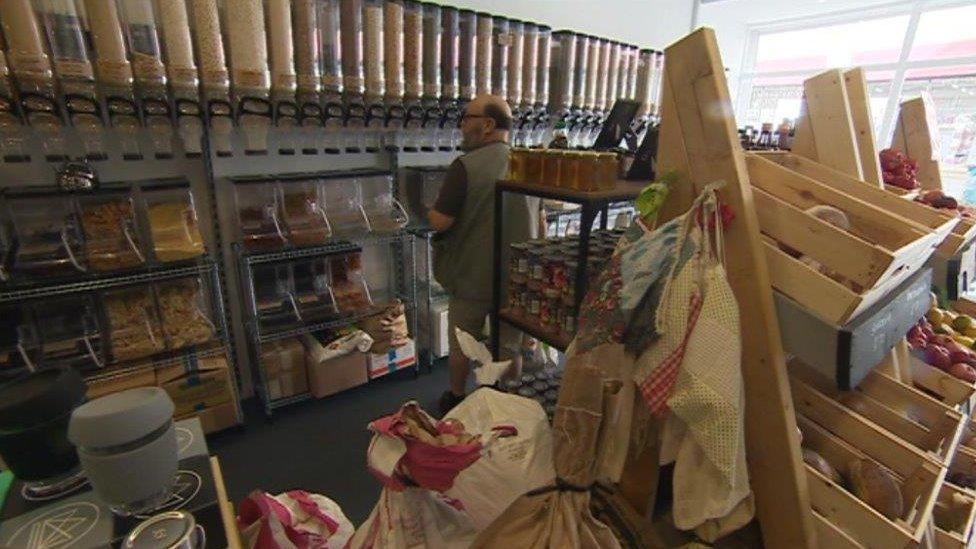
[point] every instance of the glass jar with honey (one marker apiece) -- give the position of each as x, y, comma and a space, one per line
567, 169
551, 164
607, 171
516, 164
587, 167
533, 167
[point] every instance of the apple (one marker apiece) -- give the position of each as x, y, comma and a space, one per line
937, 356
963, 371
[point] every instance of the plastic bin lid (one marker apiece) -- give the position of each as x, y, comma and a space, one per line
41, 396
120, 418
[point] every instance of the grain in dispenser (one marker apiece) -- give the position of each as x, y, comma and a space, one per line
592, 72
181, 71
393, 50
351, 40
501, 40
562, 71
645, 66
530, 60
543, 60
467, 54
250, 76
516, 46
373, 48
11, 142
580, 66
483, 54
284, 79
214, 78
613, 74
413, 32
432, 51
603, 76
308, 70
657, 74
450, 53
329, 29
149, 70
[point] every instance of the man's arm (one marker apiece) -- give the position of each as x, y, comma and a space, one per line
450, 200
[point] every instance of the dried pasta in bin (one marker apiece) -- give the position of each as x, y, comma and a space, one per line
304, 210
258, 212
313, 291
47, 233
173, 224
184, 311
134, 330
348, 283
111, 236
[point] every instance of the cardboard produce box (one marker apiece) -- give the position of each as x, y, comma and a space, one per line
330, 370
216, 418
284, 367
393, 360
196, 384
99, 387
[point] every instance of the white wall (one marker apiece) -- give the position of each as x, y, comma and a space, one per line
647, 23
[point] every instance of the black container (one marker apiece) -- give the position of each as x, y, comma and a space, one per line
34, 412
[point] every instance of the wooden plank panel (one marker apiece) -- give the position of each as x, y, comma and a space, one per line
703, 122
803, 142
827, 298
860, 105
829, 536
835, 248
831, 123
864, 523
917, 136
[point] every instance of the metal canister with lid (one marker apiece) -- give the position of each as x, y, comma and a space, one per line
169, 530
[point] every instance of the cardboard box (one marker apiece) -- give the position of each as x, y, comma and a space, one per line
433, 333
196, 384
848, 353
216, 418
956, 275
143, 377
395, 359
337, 374
284, 368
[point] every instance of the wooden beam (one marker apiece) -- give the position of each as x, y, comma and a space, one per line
917, 135
699, 143
828, 123
860, 105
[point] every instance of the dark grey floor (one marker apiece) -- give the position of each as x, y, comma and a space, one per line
319, 446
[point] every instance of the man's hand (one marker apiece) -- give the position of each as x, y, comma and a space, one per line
439, 221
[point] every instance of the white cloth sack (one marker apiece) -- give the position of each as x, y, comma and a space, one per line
413, 518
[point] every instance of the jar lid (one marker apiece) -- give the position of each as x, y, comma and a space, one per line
37, 397
523, 246
163, 531
120, 418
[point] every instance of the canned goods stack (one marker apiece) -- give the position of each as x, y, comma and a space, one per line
542, 276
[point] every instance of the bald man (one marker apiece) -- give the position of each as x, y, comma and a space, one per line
463, 215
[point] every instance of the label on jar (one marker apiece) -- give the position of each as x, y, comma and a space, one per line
117, 73
67, 35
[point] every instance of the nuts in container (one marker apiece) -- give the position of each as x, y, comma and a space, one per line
134, 330
182, 310
175, 232
111, 239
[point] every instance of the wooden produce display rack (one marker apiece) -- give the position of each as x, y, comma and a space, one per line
592, 203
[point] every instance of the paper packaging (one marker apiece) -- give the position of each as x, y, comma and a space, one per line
330, 372
130, 380
284, 367
196, 384
214, 418
393, 360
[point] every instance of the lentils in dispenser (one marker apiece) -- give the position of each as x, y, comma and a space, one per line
543, 60
181, 69
249, 71
393, 49
613, 74
603, 75
305, 29
143, 41
413, 32
592, 71
657, 76
112, 65
28, 61
516, 32
66, 37
432, 50
530, 60
623, 76
500, 42
562, 71
450, 52
373, 47
351, 46
467, 53
483, 54
214, 78
645, 77
581, 66
284, 80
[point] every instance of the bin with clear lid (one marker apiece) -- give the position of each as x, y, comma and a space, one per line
313, 290
516, 43
259, 216
432, 50
530, 60
134, 330
351, 46
47, 232
484, 53
349, 282
467, 53
174, 226
562, 71
344, 206
108, 220
274, 294
330, 38
580, 70
304, 213
501, 40
413, 50
373, 49
185, 312
384, 212
543, 61
450, 52
65, 332
393, 49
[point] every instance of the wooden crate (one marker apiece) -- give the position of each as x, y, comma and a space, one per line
903, 411
879, 252
956, 232
950, 390
954, 514
918, 477
832, 537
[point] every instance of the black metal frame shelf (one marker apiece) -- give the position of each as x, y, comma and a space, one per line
591, 204
337, 246
345, 320
208, 350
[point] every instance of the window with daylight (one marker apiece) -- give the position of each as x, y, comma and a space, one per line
906, 48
